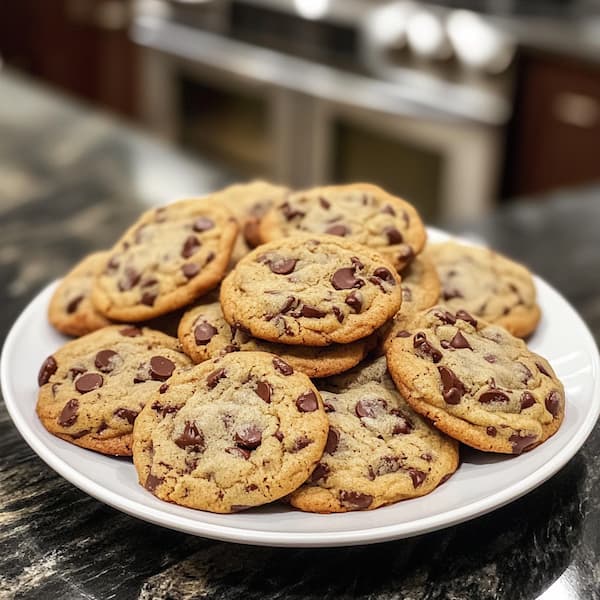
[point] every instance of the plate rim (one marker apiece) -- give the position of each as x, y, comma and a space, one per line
250, 536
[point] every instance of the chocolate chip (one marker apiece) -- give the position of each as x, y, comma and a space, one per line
47, 369
312, 313
404, 424
68, 415
307, 402
333, 439
491, 358
427, 457
385, 275
406, 294
542, 369
491, 431
190, 246
445, 317
209, 257
104, 360
163, 388
527, 400
278, 435
282, 366
230, 348
282, 266
161, 368
424, 347
241, 452
324, 203
393, 235
74, 371
130, 331
521, 443
191, 438
125, 413
450, 293
203, 224
354, 301
370, 407
290, 302
213, 378
459, 341
300, 443
403, 333
239, 507
553, 403
289, 213
321, 472
130, 279
263, 390
149, 283
251, 488
493, 396
526, 373
113, 263
338, 229
152, 482
88, 382
355, 500
328, 407
388, 210
203, 333
452, 387
148, 298
463, 315
74, 303
339, 315
418, 477
344, 279
190, 270
405, 253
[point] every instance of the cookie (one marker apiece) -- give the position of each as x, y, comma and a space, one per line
361, 212
476, 381
487, 285
311, 290
420, 285
71, 310
378, 449
248, 202
232, 433
204, 334
92, 389
167, 259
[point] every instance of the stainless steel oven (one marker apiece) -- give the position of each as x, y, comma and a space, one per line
272, 91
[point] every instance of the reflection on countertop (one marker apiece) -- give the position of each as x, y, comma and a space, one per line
70, 180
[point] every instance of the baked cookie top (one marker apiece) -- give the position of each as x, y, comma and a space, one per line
71, 310
420, 285
169, 257
204, 334
487, 285
232, 433
378, 449
311, 290
360, 212
476, 381
92, 389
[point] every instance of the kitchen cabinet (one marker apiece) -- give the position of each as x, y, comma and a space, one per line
81, 46
555, 138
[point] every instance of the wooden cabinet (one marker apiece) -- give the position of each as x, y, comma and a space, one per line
555, 138
81, 46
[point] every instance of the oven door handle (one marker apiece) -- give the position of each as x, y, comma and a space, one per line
439, 101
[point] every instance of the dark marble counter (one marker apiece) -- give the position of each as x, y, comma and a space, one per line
70, 180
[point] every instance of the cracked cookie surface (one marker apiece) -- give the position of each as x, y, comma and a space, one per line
204, 334
475, 381
487, 285
232, 433
378, 451
165, 260
92, 389
311, 290
71, 310
361, 212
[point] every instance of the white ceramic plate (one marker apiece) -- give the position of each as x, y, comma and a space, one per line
483, 482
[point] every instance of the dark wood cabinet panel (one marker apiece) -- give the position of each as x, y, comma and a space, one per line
555, 140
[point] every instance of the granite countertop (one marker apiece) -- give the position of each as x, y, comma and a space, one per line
70, 180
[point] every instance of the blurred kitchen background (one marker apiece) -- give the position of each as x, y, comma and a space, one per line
458, 106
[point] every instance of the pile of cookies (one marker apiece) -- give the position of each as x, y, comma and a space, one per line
262, 344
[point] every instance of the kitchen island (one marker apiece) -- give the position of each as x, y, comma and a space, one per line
70, 181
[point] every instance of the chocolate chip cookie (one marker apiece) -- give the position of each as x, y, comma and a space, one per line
487, 285
168, 258
71, 310
378, 451
92, 389
311, 290
204, 334
232, 433
475, 381
360, 212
